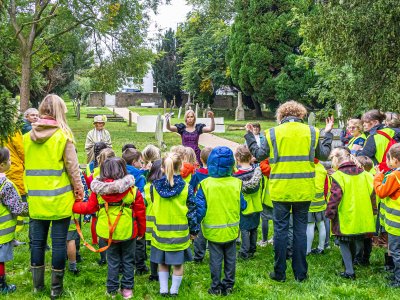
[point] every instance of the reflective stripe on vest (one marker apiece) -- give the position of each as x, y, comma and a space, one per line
149, 211
125, 227
7, 221
319, 202
171, 230
221, 222
391, 216
292, 150
355, 211
50, 195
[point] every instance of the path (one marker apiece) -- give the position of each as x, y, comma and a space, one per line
206, 139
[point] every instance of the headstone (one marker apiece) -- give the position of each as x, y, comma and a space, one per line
174, 103
239, 112
196, 111
159, 132
188, 104
206, 111
179, 112
165, 107
339, 114
311, 119
264, 106
130, 119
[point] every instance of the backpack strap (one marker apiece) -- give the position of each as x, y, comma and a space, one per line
384, 134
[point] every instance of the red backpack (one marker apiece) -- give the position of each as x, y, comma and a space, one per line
383, 166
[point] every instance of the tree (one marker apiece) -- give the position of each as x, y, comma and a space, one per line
204, 39
356, 49
166, 67
263, 51
9, 112
117, 26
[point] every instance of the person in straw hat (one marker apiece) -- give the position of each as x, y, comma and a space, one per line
97, 134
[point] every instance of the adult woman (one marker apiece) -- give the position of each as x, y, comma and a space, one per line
291, 147
357, 141
97, 134
190, 131
379, 136
53, 183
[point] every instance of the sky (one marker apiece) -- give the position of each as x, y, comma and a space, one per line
168, 16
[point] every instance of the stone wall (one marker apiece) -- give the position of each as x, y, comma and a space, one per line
97, 99
130, 99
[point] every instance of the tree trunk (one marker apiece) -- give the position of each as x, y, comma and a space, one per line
25, 88
257, 108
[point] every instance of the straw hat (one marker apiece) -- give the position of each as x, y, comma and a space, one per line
99, 119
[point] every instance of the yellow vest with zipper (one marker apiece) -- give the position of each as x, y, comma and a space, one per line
319, 203
125, 227
8, 222
221, 222
171, 228
292, 149
149, 211
392, 214
355, 210
50, 193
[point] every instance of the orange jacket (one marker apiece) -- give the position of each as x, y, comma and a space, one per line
390, 188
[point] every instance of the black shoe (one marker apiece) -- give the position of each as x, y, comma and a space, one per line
142, 271
173, 295
394, 284
197, 260
102, 262
347, 275
273, 276
153, 278
301, 279
317, 251
362, 263
243, 256
6, 288
227, 291
75, 271
164, 294
215, 292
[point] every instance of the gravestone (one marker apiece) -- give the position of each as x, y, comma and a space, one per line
239, 112
206, 111
311, 119
165, 107
179, 112
196, 111
159, 132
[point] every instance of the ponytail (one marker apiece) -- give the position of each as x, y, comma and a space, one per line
172, 164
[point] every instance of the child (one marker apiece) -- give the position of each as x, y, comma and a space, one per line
252, 190
11, 206
113, 195
388, 189
200, 243
134, 163
174, 210
351, 207
220, 219
127, 146
155, 173
267, 213
97, 148
316, 212
150, 154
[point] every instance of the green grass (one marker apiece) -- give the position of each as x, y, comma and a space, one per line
252, 280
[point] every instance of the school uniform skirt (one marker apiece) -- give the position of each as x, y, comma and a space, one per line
6, 251
158, 256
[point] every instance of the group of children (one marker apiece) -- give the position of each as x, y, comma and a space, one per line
165, 202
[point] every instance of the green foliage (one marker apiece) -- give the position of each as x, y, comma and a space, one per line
204, 42
264, 48
9, 121
166, 68
356, 48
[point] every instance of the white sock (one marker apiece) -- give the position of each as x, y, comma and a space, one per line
322, 235
310, 236
176, 283
163, 278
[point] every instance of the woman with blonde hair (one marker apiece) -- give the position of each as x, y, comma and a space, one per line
357, 141
175, 210
291, 148
53, 184
351, 207
190, 131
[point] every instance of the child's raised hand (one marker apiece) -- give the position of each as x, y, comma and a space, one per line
330, 121
249, 127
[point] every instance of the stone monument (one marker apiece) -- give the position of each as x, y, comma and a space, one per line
239, 112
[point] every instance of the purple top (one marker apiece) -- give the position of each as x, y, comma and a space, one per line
191, 139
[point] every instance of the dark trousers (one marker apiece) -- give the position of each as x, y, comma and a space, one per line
140, 254
281, 228
226, 253
200, 246
39, 232
121, 254
249, 243
394, 249
350, 250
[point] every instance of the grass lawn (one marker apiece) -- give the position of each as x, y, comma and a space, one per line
252, 280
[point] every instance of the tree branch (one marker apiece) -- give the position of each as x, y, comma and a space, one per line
12, 11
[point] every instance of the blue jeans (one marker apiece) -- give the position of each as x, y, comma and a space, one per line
281, 228
39, 232
121, 254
